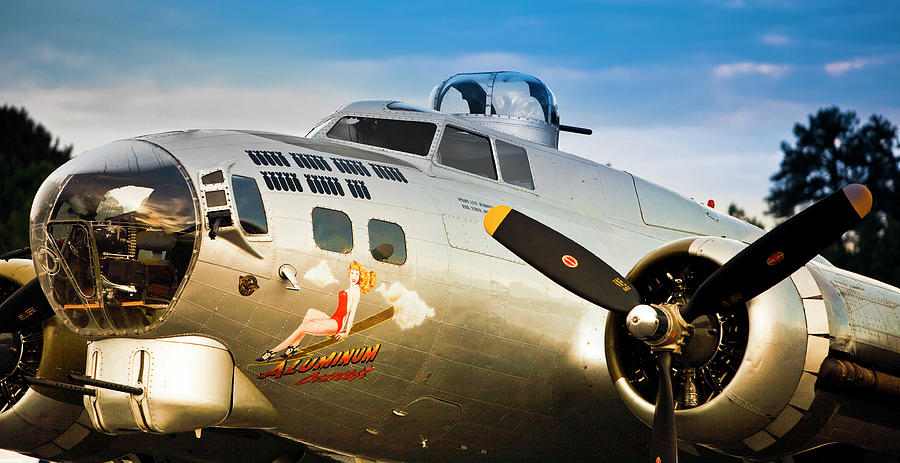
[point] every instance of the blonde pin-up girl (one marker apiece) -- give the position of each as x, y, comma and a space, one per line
339, 324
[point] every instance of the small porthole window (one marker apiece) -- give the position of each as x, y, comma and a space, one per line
213, 177
249, 205
332, 230
216, 198
387, 242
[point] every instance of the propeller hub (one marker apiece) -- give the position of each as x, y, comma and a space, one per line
646, 322
659, 325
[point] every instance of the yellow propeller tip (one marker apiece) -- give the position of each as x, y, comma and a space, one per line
860, 197
494, 218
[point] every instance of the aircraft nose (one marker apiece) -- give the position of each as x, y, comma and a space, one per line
113, 236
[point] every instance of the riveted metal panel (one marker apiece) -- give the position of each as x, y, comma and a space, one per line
176, 374
789, 417
816, 351
662, 208
759, 441
866, 312
414, 426
48, 414
816, 316
19, 435
48, 450
468, 234
805, 393
75, 434
839, 322
805, 284
864, 434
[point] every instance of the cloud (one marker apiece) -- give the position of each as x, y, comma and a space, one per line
839, 68
92, 116
410, 309
320, 275
732, 4
775, 39
51, 55
724, 71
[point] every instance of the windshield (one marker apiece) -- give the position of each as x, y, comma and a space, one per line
412, 137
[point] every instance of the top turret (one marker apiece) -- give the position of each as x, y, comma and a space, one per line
511, 102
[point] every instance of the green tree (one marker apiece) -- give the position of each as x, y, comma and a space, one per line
739, 213
832, 151
29, 154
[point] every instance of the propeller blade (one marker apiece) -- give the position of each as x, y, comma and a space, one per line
27, 306
561, 259
780, 252
663, 443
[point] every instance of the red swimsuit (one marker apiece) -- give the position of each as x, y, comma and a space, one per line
341, 311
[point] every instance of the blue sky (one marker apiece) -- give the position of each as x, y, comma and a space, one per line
696, 96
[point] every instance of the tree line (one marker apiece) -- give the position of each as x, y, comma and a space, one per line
28, 154
834, 150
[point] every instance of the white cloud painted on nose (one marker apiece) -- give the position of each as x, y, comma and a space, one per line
320, 275
410, 309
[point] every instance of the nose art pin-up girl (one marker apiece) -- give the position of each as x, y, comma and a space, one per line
338, 324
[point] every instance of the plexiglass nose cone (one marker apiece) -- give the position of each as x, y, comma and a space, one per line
113, 236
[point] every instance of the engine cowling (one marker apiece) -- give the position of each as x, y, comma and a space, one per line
746, 379
39, 421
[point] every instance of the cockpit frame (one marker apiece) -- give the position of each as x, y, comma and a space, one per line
427, 163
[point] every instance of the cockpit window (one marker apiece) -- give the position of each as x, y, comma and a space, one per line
412, 137
332, 230
249, 205
387, 242
514, 165
467, 151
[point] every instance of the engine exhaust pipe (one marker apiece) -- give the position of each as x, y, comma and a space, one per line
845, 376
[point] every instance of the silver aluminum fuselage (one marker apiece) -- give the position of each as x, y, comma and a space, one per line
496, 357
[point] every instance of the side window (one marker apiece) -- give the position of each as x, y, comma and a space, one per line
249, 205
387, 242
467, 151
332, 230
213, 178
514, 165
